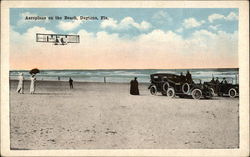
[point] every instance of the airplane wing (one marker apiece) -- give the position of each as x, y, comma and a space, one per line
58, 39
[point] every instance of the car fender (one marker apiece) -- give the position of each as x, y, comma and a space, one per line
150, 86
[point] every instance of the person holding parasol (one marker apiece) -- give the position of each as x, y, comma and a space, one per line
33, 73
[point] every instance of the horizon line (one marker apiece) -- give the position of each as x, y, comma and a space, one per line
130, 69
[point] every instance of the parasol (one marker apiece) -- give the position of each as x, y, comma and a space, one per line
34, 71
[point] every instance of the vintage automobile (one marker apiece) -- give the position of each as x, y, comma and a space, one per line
174, 85
224, 89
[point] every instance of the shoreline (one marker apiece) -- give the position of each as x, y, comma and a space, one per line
80, 82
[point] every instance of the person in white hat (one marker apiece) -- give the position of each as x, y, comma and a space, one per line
20, 87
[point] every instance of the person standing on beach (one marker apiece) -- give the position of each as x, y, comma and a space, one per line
224, 81
134, 90
32, 84
189, 77
70, 83
217, 86
212, 81
20, 87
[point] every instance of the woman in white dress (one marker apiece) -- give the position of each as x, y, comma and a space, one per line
32, 84
20, 84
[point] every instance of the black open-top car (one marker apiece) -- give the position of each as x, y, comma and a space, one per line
174, 85
224, 88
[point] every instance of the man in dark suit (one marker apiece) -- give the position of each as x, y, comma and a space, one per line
189, 77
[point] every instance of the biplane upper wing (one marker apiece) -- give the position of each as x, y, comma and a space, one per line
57, 38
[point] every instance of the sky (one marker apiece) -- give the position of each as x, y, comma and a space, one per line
130, 38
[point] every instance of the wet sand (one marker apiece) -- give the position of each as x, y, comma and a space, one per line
106, 116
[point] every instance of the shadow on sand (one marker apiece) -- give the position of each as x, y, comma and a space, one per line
19, 148
52, 93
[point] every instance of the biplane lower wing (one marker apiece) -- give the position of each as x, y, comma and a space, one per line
57, 38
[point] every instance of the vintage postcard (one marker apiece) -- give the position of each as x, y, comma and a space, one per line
125, 78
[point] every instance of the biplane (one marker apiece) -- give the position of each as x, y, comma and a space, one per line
57, 39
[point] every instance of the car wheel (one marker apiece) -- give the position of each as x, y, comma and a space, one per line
196, 94
170, 92
165, 86
153, 90
185, 88
232, 93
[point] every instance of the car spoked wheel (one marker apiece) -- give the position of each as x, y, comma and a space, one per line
196, 94
232, 93
153, 90
170, 92
185, 88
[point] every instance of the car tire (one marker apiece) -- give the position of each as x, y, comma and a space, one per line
232, 93
185, 88
170, 92
196, 94
165, 86
153, 90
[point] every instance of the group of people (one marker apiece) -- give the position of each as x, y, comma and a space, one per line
20, 87
187, 78
224, 81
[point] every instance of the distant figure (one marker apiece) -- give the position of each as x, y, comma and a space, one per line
20, 87
224, 81
182, 78
32, 84
57, 41
134, 90
70, 83
212, 81
189, 77
58, 78
62, 41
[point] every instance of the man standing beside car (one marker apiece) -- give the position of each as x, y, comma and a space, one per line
189, 77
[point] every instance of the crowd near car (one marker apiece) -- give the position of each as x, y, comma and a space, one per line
223, 88
172, 85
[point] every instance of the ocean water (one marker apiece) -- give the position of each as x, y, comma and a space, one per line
124, 76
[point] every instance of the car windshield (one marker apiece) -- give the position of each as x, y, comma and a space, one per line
197, 81
156, 78
164, 78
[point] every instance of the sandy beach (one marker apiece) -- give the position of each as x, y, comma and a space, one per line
106, 116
